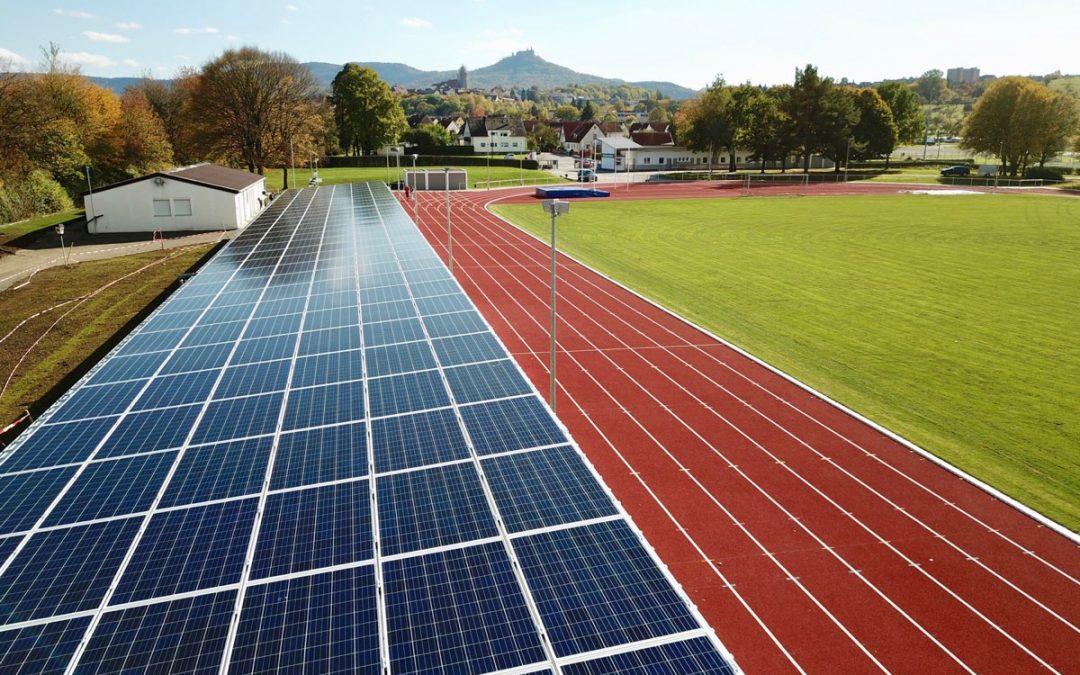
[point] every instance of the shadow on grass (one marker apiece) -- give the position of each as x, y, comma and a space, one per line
75, 234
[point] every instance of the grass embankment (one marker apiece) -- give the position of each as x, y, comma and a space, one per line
951, 320
12, 231
356, 174
86, 328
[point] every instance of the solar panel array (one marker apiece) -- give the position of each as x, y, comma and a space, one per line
315, 456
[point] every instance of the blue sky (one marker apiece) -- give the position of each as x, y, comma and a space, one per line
687, 42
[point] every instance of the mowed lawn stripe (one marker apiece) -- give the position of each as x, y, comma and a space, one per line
951, 320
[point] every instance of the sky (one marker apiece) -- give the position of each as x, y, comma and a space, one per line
688, 42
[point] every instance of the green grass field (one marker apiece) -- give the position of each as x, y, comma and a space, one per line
951, 320
15, 230
357, 174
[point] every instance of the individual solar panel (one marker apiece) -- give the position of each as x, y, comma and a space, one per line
182, 636
458, 611
418, 508
596, 587
189, 549
284, 626
41, 648
314, 528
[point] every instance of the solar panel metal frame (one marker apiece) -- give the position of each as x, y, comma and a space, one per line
285, 275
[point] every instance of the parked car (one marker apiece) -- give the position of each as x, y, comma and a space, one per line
510, 155
958, 170
586, 176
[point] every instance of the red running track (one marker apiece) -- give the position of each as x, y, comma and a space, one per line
809, 540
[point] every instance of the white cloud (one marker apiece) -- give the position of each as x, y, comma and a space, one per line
416, 23
73, 13
105, 37
8, 56
189, 31
131, 63
129, 25
231, 38
292, 8
87, 59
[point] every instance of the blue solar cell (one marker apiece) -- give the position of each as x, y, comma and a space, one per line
172, 320
144, 342
113, 488
438, 273
406, 393
427, 289
284, 625
66, 570
416, 440
545, 488
389, 311
514, 424
486, 381
273, 325
25, 497
339, 317
320, 455
443, 304
456, 323
237, 296
197, 358
54, 444
182, 636
329, 340
107, 399
189, 549
432, 507
120, 368
239, 417
334, 300
217, 333
454, 351
218, 471
148, 431
258, 378
458, 611
44, 648
283, 306
370, 296
309, 529
328, 368
691, 657
264, 349
327, 404
225, 314
394, 359
392, 332
596, 587
173, 390
7, 546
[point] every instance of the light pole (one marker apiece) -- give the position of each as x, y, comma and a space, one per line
449, 231
388, 166
556, 208
414, 156
292, 162
847, 159
90, 187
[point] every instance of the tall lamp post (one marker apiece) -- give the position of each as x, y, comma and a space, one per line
414, 156
556, 208
449, 231
90, 220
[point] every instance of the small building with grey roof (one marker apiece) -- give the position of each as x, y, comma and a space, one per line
191, 198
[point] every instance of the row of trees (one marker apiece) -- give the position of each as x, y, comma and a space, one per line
813, 116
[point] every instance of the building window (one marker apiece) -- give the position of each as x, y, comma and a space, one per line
161, 208
182, 207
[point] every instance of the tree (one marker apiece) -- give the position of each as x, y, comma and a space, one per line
906, 112
588, 112
140, 142
255, 108
875, 133
543, 138
765, 134
369, 114
567, 113
805, 106
659, 115
704, 123
1019, 120
931, 86
838, 117
428, 136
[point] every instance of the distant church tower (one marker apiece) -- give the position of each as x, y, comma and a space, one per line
462, 78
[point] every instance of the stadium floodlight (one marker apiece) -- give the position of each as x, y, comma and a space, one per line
449, 230
556, 208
